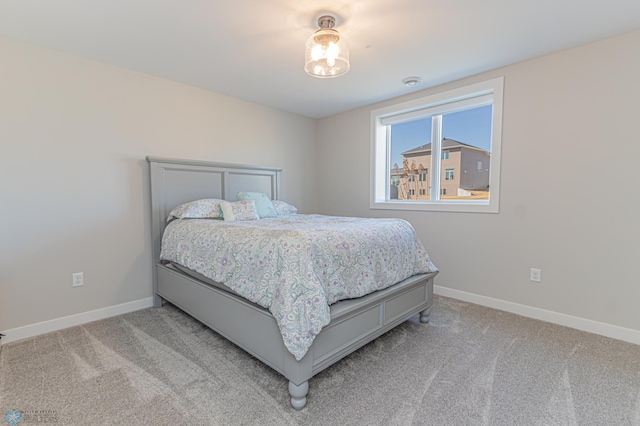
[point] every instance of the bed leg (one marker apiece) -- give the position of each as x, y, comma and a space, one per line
298, 394
424, 315
157, 301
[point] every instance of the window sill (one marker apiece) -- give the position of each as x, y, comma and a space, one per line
439, 206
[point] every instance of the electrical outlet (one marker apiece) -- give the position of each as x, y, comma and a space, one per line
535, 275
77, 279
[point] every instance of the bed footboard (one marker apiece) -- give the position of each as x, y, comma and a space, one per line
354, 323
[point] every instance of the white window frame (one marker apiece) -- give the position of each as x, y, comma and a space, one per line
487, 92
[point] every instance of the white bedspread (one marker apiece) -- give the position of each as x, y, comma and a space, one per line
296, 266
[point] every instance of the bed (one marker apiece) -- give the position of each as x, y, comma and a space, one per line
353, 322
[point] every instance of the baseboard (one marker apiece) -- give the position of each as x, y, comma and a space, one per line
603, 329
607, 330
32, 330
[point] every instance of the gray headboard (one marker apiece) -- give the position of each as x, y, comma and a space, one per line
175, 181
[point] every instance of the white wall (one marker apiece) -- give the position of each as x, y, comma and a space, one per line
73, 180
570, 195
74, 197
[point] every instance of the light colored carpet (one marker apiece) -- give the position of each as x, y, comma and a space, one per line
470, 366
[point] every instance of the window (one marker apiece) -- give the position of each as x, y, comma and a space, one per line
460, 126
448, 174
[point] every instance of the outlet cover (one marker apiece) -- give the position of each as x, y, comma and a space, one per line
77, 279
535, 275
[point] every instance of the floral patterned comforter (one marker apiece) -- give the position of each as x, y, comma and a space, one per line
296, 266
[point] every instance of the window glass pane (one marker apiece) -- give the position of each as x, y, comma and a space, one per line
466, 140
410, 160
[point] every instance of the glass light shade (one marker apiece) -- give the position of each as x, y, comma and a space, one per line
326, 54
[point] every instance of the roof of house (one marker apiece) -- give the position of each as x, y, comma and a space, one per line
446, 143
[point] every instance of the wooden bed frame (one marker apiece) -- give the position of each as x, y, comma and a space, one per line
354, 323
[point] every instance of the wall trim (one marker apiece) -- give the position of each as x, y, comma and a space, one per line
603, 329
39, 328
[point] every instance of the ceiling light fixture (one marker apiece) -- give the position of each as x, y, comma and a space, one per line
327, 52
411, 81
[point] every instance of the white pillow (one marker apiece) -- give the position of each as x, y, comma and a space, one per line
284, 209
239, 210
208, 208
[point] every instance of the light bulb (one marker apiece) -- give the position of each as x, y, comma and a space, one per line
333, 50
332, 53
317, 52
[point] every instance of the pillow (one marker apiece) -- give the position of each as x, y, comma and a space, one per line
208, 208
239, 210
284, 209
264, 206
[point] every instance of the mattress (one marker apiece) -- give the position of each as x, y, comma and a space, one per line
297, 266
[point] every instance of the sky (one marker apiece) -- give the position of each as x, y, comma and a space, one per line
472, 126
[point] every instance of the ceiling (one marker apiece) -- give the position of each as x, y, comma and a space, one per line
253, 49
